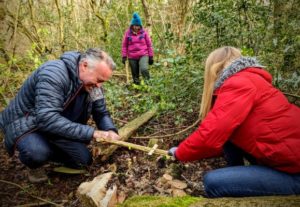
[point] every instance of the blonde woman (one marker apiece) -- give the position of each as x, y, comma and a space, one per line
244, 116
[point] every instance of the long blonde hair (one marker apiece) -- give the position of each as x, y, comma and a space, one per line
215, 63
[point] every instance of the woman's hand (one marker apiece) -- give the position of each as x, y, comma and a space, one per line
172, 151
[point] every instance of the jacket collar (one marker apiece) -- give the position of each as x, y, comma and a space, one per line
235, 67
71, 60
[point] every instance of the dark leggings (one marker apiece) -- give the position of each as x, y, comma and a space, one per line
139, 66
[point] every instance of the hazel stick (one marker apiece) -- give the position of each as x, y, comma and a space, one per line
134, 146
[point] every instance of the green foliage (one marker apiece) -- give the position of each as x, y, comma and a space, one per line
173, 86
250, 26
288, 84
147, 201
14, 73
177, 75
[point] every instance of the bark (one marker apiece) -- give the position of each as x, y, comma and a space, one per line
3, 53
147, 16
61, 27
96, 194
32, 36
104, 22
15, 29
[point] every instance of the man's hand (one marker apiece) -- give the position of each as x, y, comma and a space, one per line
109, 135
113, 135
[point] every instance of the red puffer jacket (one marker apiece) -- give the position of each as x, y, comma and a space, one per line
255, 116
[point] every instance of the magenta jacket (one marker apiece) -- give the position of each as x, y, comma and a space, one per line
135, 46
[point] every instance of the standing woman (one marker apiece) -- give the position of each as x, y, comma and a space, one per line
137, 47
244, 116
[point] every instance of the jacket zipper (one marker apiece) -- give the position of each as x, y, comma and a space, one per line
72, 98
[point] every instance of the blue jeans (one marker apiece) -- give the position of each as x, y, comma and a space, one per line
36, 149
253, 180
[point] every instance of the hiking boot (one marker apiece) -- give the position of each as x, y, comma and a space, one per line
37, 175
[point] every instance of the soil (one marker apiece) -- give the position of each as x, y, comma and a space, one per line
136, 173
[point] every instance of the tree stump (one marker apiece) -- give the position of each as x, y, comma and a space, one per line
96, 194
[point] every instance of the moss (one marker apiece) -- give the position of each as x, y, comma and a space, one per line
266, 201
158, 201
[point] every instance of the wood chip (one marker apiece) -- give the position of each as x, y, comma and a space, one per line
177, 184
178, 193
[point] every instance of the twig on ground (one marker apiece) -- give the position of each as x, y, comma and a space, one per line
119, 120
169, 135
33, 204
33, 196
197, 186
293, 95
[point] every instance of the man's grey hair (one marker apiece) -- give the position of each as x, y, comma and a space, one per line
93, 55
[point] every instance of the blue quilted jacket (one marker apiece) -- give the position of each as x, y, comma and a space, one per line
41, 101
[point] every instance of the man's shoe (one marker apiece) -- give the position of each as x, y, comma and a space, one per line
37, 175
67, 170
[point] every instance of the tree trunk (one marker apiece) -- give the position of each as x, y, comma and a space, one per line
103, 21
147, 16
61, 27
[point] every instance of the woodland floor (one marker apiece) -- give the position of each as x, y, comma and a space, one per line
136, 173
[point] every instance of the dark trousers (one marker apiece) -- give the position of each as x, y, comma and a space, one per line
236, 156
139, 66
36, 149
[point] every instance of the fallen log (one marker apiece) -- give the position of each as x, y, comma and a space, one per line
125, 132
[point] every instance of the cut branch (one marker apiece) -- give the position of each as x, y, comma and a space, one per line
135, 146
292, 95
125, 132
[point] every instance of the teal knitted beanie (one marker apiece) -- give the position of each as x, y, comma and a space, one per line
136, 19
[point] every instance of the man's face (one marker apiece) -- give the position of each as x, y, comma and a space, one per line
94, 77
